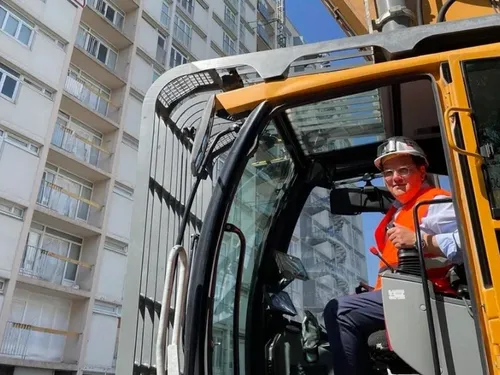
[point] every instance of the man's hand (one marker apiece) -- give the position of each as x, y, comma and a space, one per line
401, 237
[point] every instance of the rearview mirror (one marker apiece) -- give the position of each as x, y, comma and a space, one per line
354, 201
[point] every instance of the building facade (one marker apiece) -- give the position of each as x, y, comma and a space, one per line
72, 82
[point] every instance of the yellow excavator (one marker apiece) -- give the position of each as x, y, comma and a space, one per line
232, 151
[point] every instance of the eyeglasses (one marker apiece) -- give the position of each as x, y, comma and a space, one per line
401, 171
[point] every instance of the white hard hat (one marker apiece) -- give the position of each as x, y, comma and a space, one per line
398, 146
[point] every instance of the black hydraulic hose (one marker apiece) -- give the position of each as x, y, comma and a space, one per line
425, 286
444, 9
420, 13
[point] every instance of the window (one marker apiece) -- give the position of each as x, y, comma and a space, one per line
164, 18
16, 26
187, 5
89, 91
242, 32
111, 13
130, 141
156, 74
182, 32
483, 79
19, 141
254, 218
228, 45
106, 308
116, 246
9, 82
48, 93
230, 19
96, 47
177, 58
11, 209
161, 49
123, 190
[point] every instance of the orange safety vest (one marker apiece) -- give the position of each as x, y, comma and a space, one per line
436, 266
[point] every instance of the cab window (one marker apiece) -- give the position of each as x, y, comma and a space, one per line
482, 80
260, 188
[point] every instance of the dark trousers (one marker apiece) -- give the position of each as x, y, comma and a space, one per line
349, 321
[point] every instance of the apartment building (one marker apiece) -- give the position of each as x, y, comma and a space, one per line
73, 76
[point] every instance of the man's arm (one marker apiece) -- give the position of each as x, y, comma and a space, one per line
440, 231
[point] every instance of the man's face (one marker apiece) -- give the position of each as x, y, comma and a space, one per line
402, 177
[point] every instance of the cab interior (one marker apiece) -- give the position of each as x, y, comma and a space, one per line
315, 141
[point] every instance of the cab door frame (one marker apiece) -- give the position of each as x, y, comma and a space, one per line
481, 230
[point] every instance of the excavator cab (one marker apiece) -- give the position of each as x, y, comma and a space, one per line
243, 156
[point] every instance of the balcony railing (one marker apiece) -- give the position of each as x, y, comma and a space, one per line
86, 95
67, 140
26, 341
49, 266
64, 202
182, 36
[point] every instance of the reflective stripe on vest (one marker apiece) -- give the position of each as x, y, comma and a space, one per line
404, 218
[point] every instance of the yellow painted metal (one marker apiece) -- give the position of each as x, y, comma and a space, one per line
356, 14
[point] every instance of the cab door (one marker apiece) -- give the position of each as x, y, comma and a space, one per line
472, 123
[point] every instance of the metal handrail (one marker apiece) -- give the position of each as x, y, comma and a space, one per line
177, 258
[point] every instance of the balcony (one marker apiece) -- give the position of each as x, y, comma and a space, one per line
127, 6
98, 59
30, 342
53, 268
264, 10
264, 35
82, 92
181, 36
76, 153
109, 24
83, 212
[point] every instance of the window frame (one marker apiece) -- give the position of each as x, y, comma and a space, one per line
21, 22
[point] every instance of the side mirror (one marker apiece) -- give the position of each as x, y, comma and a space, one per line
353, 201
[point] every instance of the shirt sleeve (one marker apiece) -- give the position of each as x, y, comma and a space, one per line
441, 221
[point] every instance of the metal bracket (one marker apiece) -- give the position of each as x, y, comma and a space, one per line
393, 12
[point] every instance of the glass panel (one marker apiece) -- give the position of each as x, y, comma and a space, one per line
71, 268
102, 53
112, 56
83, 208
11, 25
110, 14
338, 123
3, 13
483, 79
260, 189
9, 87
25, 34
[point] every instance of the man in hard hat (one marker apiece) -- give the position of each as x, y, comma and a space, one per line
351, 319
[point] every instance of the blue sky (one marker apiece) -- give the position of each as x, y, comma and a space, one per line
314, 22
